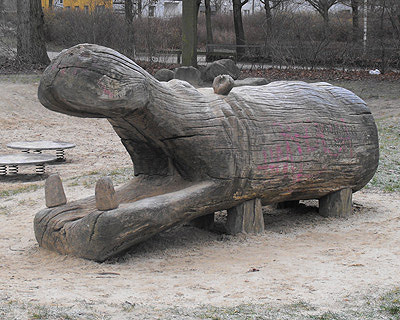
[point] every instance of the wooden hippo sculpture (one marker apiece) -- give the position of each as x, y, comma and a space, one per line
196, 152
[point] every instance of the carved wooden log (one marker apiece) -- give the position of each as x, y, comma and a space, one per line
195, 152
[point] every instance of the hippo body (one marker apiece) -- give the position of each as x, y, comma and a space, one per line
195, 152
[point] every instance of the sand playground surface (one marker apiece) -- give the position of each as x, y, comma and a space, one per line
300, 257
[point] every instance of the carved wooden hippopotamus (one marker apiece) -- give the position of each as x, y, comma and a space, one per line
196, 152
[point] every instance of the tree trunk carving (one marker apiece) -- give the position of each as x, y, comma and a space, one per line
195, 152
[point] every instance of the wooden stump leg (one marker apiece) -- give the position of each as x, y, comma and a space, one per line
247, 217
205, 222
336, 204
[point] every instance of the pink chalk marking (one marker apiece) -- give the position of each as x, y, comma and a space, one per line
108, 93
298, 177
285, 168
299, 150
289, 156
278, 153
262, 167
271, 153
265, 166
271, 166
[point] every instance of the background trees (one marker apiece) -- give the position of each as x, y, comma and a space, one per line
31, 46
281, 32
322, 7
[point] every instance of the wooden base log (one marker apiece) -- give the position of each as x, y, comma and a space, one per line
336, 204
196, 152
247, 217
205, 222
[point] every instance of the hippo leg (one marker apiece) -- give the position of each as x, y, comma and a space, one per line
336, 204
246, 217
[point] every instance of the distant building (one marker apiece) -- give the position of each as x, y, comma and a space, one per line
153, 8
86, 5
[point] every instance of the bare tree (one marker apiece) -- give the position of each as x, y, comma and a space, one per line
355, 19
210, 39
394, 16
238, 23
323, 6
217, 4
31, 47
131, 30
269, 5
355, 6
190, 11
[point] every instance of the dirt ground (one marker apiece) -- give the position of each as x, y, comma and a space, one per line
301, 257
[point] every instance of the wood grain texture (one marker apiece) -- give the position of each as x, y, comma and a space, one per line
195, 152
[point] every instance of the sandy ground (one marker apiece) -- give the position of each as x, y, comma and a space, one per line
300, 257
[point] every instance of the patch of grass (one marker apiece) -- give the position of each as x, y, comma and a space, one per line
327, 316
387, 177
12, 309
4, 210
384, 307
121, 175
118, 176
21, 78
390, 303
372, 89
24, 189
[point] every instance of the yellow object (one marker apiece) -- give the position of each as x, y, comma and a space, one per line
87, 5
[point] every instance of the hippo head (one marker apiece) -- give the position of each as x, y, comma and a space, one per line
92, 81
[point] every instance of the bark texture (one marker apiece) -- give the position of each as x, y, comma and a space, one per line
196, 152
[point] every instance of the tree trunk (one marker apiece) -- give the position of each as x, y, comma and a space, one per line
210, 39
355, 18
268, 17
131, 30
325, 16
195, 152
31, 46
189, 32
239, 30
394, 16
139, 8
128, 11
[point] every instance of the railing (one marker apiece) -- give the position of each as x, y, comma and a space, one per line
302, 54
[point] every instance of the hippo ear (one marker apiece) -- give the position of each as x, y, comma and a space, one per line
93, 81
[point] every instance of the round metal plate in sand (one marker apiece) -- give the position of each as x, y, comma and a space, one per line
25, 159
40, 145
